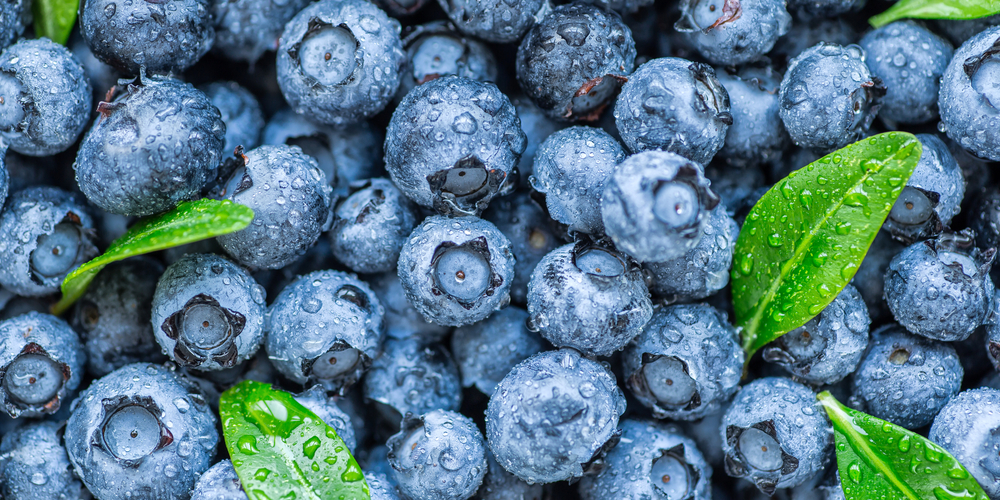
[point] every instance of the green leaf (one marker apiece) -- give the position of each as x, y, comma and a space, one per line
936, 9
803, 241
281, 450
191, 221
877, 459
54, 19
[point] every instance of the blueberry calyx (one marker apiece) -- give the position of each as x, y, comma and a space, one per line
40, 369
712, 96
216, 337
330, 75
465, 188
672, 475
128, 421
737, 465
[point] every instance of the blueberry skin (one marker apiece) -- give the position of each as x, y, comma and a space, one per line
439, 455
958, 31
13, 17
829, 346
905, 379
823, 105
413, 377
46, 338
910, 60
138, 132
315, 399
219, 482
965, 428
941, 288
452, 143
324, 312
757, 135
726, 37
804, 33
363, 76
984, 217
291, 200
571, 167
49, 97
498, 484
486, 351
113, 316
34, 455
704, 269
434, 238
966, 100
496, 21
788, 412
549, 68
675, 105
246, 29
628, 471
30, 215
435, 49
632, 212
165, 465
932, 196
553, 415
706, 345
379, 486
870, 278
200, 282
524, 222
401, 319
173, 39
4, 177
594, 310
240, 112
370, 226
807, 9
537, 127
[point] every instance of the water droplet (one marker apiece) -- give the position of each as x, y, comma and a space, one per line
39, 478
310, 446
247, 445
854, 472
774, 239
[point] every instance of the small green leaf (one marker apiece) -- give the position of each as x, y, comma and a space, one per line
803, 241
281, 450
877, 459
191, 221
54, 19
936, 9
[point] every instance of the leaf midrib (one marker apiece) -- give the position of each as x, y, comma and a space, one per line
286, 453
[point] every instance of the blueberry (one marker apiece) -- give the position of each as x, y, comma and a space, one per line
553, 416
738, 188
316, 400
549, 56
805, 33
162, 39
35, 465
655, 205
685, 363
969, 97
571, 168
823, 105
401, 319
829, 346
731, 32
412, 378
45, 233
807, 9
219, 482
984, 217
13, 18
497, 21
379, 486
588, 296
705, 433
291, 201
932, 196
113, 316
757, 135
940, 288
498, 484
531, 236
653, 460
487, 350
958, 31
675, 105
44, 97
702, 270
339, 61
141, 431
452, 143
967, 429
400, 8
439, 455
910, 60
434, 50
246, 29
137, 133
370, 226
4, 177
456, 271
905, 379
537, 127
342, 320
240, 112
775, 434
41, 364
214, 382
870, 278
376, 461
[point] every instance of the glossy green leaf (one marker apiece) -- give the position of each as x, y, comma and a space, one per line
878, 459
805, 238
281, 450
191, 221
936, 9
54, 18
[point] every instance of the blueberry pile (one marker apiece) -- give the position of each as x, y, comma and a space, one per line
491, 245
